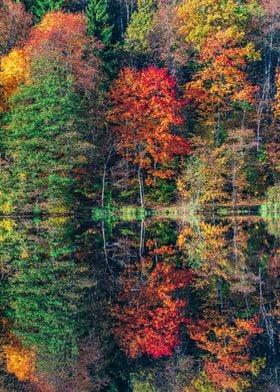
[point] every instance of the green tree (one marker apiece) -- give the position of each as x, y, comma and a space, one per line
98, 21
45, 145
140, 27
40, 7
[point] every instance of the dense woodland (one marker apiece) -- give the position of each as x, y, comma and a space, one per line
107, 105
142, 103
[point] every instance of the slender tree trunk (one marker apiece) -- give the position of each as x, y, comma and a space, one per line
104, 242
104, 175
103, 184
265, 98
142, 241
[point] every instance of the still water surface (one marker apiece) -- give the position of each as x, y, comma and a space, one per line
147, 306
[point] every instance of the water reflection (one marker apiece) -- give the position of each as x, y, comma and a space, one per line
153, 305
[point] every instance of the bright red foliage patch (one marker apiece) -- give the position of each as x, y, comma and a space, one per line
145, 111
149, 317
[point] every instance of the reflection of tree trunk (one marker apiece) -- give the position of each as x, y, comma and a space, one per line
141, 243
142, 238
234, 188
235, 248
104, 242
141, 187
268, 319
105, 248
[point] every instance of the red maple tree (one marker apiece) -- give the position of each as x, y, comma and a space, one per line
144, 116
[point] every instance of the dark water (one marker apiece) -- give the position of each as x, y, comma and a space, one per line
143, 306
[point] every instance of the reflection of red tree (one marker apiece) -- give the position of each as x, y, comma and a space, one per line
149, 317
228, 345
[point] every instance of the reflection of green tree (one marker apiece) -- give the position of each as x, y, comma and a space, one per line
163, 231
45, 294
273, 226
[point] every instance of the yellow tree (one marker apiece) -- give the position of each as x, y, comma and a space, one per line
203, 179
14, 70
20, 360
198, 19
205, 246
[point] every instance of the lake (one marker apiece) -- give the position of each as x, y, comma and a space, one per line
147, 305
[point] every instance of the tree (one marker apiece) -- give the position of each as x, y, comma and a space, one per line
165, 42
202, 182
277, 96
20, 360
98, 21
239, 144
14, 71
15, 24
200, 19
41, 7
140, 27
61, 38
221, 85
148, 318
206, 249
45, 296
145, 110
228, 343
44, 143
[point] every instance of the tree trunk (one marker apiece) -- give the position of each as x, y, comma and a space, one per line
103, 184
234, 189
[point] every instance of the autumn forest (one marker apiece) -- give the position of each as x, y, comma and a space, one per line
139, 195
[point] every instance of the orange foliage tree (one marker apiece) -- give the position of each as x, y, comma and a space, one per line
148, 317
221, 84
62, 38
144, 114
277, 96
228, 344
